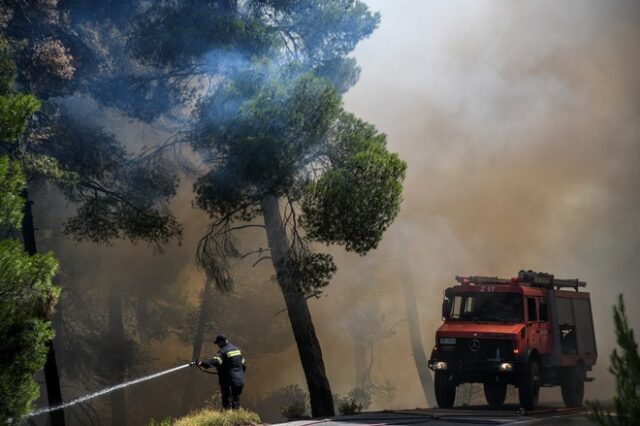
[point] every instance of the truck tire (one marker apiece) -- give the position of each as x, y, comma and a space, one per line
495, 393
573, 387
445, 390
529, 385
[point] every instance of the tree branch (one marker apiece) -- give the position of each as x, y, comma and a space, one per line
260, 260
259, 251
236, 228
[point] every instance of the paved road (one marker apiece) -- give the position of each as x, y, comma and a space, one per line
509, 415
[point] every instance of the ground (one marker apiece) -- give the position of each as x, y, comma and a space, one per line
479, 415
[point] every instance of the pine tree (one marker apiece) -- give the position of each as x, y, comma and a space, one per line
27, 295
625, 366
285, 156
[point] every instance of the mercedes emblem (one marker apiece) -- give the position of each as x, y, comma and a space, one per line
474, 345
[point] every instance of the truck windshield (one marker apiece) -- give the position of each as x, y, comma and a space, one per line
505, 307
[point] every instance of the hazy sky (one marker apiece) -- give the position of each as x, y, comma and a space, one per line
520, 122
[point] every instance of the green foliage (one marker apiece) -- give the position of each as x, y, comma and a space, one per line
15, 109
7, 68
625, 366
265, 139
349, 406
11, 183
23, 354
296, 410
354, 203
167, 421
273, 406
239, 417
183, 32
312, 271
104, 219
115, 197
357, 399
46, 167
327, 29
277, 128
27, 296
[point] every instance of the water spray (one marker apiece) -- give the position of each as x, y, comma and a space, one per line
108, 390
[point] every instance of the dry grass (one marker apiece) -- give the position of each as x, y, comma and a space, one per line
219, 418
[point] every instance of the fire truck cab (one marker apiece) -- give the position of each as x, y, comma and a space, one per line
528, 331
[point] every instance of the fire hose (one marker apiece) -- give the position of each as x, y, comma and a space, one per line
198, 364
96, 394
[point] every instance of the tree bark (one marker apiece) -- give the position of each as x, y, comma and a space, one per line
205, 306
361, 365
416, 341
51, 376
299, 315
198, 338
118, 354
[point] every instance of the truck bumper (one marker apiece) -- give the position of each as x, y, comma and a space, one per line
467, 371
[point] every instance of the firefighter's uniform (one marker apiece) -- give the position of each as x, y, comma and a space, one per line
231, 366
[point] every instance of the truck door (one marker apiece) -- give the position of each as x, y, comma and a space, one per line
533, 327
544, 326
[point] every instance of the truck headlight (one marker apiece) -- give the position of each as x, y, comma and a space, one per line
506, 366
440, 365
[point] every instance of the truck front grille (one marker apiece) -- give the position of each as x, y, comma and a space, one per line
477, 349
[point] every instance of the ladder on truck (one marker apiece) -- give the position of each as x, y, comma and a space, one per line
530, 278
544, 280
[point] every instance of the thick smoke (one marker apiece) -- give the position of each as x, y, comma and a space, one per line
521, 126
520, 122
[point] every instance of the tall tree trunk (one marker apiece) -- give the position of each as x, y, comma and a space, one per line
361, 365
299, 315
205, 306
51, 376
198, 338
416, 340
117, 344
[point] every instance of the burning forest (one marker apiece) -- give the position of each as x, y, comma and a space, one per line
217, 204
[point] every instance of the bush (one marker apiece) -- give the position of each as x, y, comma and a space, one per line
348, 406
295, 411
274, 406
357, 399
219, 418
165, 422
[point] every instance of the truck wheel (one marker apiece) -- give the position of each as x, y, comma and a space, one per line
573, 387
529, 385
495, 393
445, 390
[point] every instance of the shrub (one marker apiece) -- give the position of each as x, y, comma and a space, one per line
357, 399
168, 421
272, 407
348, 406
295, 411
219, 418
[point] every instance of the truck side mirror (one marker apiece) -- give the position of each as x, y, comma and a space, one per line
446, 303
446, 308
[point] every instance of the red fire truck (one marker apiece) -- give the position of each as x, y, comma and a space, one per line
529, 331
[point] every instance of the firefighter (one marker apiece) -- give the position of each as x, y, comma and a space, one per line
231, 366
